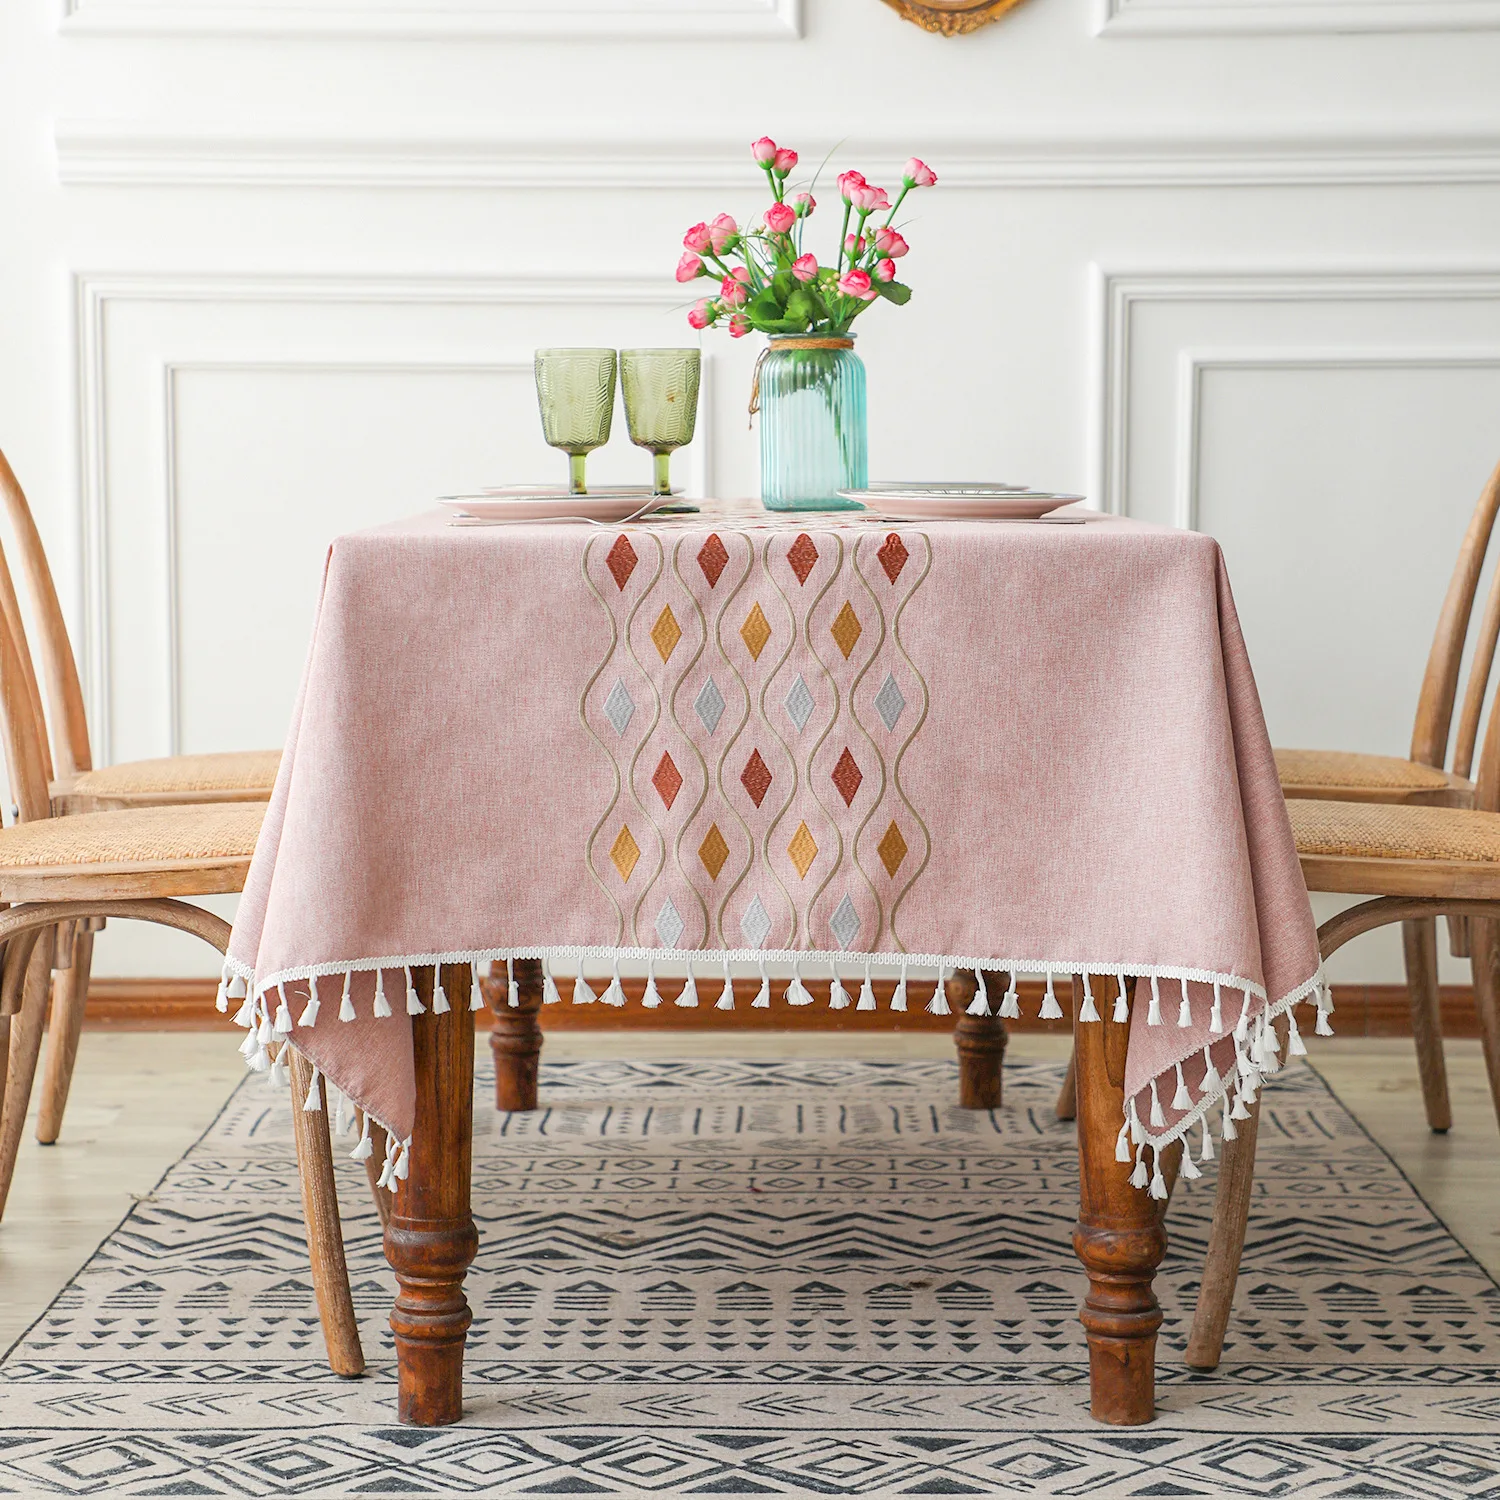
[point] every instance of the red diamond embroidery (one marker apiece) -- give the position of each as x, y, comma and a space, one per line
802, 554
756, 778
667, 780
893, 556
621, 561
713, 559
847, 777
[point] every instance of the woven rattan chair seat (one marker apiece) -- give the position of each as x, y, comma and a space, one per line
1334, 771
1374, 830
249, 773
137, 836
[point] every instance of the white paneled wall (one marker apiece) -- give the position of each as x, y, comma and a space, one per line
272, 271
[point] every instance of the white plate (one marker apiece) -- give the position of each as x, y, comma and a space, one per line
953, 487
594, 507
915, 506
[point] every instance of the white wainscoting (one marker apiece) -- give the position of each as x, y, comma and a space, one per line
1206, 18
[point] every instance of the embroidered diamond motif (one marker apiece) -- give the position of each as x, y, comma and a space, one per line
713, 559
802, 555
755, 632
845, 922
755, 924
669, 925
667, 780
713, 851
619, 707
889, 702
710, 705
893, 556
892, 850
624, 852
666, 633
621, 561
803, 850
846, 629
756, 778
799, 704
847, 777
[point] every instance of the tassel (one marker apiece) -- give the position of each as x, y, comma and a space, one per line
238, 989
309, 1016
549, 985
687, 996
1211, 1079
398, 1172
980, 1004
582, 992
1010, 1004
245, 1015
512, 989
938, 1005
343, 1120
1216, 1016
838, 996
1137, 1130
313, 1104
1138, 1178
796, 991
1158, 1119
1325, 998
221, 1000
414, 1005
898, 996
866, 992
1122, 1143
1242, 1026
762, 999
1270, 1046
1153, 1012
726, 995
1158, 1185
614, 994
1239, 1112
262, 1059
440, 1006
248, 1046
1207, 1153
1122, 1005
1051, 1010
1295, 1046
283, 1023
1184, 1010
476, 995
265, 1033
365, 1147
1088, 1011
279, 1077
1227, 1129
1180, 1099
1322, 1028
1189, 1166
652, 998
392, 1146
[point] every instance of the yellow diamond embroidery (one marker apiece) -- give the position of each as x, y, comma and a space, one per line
755, 632
803, 850
713, 851
892, 850
625, 851
666, 633
846, 629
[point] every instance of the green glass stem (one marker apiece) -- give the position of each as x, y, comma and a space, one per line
662, 480
576, 485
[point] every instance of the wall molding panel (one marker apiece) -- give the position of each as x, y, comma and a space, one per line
455, 20
1207, 18
105, 153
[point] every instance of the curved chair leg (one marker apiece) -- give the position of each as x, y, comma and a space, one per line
1485, 957
28, 966
1067, 1095
320, 1205
70, 993
1419, 939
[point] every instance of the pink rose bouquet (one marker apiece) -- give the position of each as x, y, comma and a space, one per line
769, 284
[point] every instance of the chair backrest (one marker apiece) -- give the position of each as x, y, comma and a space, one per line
1435, 703
23, 731
70, 729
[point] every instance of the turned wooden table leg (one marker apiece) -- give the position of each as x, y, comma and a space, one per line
981, 1044
516, 1040
430, 1239
1119, 1236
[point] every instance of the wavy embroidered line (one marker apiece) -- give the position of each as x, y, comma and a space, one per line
916, 874
724, 758
765, 848
682, 677
831, 818
860, 676
614, 765
645, 739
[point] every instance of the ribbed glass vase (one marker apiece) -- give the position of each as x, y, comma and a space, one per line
812, 424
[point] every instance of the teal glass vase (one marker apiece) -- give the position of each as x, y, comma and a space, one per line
812, 424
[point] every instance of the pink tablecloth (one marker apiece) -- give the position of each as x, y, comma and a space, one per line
912, 749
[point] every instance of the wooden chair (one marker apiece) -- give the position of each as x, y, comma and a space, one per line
59, 873
75, 786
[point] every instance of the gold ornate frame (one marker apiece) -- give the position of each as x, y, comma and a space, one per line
952, 17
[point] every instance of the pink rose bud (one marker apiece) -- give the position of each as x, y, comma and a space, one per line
764, 151
780, 217
868, 199
720, 232
701, 314
805, 267
854, 244
697, 238
785, 161
885, 270
856, 284
690, 268
916, 173
848, 181
739, 326
735, 293
741, 273
888, 242
804, 203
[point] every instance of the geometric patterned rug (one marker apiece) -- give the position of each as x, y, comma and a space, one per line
768, 1278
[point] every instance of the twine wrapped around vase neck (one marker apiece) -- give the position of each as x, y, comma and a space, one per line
790, 341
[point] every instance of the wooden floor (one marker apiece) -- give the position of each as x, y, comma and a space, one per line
141, 1098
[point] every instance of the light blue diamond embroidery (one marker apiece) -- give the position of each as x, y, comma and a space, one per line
799, 704
845, 922
619, 707
669, 925
755, 924
888, 702
710, 705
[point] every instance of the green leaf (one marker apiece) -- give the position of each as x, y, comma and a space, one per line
764, 307
893, 291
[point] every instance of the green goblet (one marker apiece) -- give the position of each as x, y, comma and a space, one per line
575, 389
661, 404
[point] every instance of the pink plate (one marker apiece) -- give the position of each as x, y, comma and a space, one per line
895, 506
